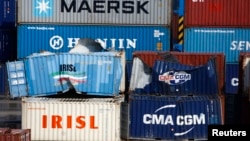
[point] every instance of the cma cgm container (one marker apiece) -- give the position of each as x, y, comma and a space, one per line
93, 119
185, 58
61, 38
92, 74
8, 45
219, 13
7, 14
174, 78
95, 12
232, 78
170, 118
231, 41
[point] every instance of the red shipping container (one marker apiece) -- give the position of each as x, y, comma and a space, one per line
17, 135
186, 58
217, 13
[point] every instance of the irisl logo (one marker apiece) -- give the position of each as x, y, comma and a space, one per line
73, 78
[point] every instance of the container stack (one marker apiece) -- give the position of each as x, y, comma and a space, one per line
218, 26
173, 96
10, 109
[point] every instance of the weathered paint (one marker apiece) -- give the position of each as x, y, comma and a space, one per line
171, 117
72, 119
144, 12
230, 41
61, 38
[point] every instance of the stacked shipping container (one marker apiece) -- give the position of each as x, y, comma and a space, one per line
10, 109
217, 26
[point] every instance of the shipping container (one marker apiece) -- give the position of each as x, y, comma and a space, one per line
232, 78
230, 41
8, 14
17, 135
144, 12
216, 13
185, 58
62, 38
244, 74
8, 45
97, 73
170, 117
3, 80
93, 119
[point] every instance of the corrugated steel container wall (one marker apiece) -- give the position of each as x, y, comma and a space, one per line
244, 71
7, 13
161, 117
96, 12
170, 78
187, 58
220, 13
17, 79
8, 45
93, 74
3, 80
72, 119
232, 78
61, 38
231, 41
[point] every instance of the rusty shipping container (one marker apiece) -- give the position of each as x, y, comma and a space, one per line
72, 119
217, 13
160, 117
186, 58
16, 135
146, 12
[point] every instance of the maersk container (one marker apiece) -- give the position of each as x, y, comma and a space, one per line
61, 38
92, 74
64, 119
232, 78
8, 14
170, 118
144, 12
231, 41
185, 58
8, 45
216, 13
172, 78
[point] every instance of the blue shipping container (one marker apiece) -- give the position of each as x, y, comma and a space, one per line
7, 13
171, 117
92, 74
8, 45
232, 78
61, 38
231, 41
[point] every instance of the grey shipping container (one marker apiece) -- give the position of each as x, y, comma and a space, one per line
95, 11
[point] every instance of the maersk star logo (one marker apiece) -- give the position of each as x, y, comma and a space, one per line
43, 8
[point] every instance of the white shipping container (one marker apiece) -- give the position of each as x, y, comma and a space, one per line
54, 119
131, 12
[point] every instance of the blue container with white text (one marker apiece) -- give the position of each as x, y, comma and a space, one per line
8, 14
232, 78
33, 38
231, 41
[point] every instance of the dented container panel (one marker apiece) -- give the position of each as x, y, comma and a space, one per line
244, 74
165, 119
92, 119
131, 12
62, 38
